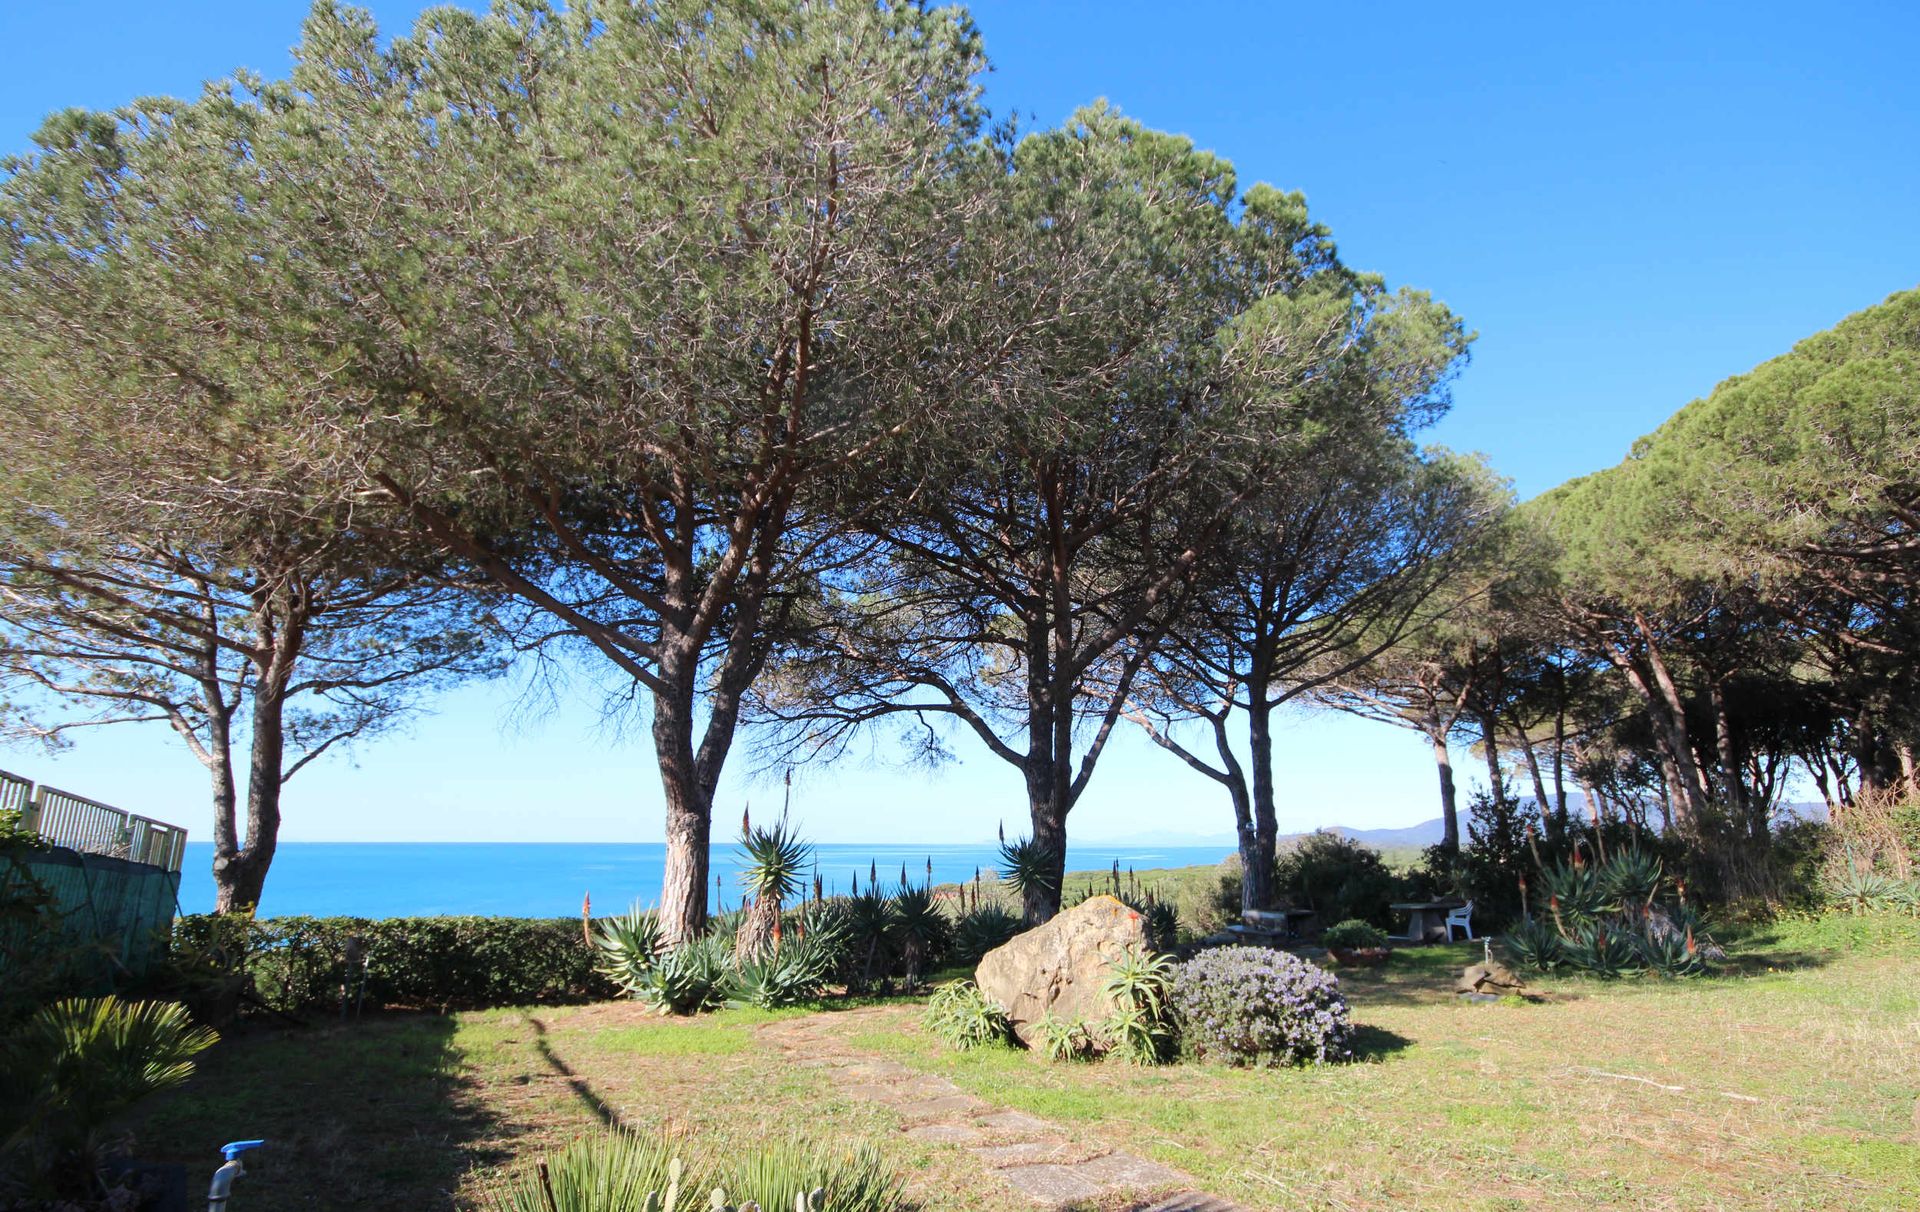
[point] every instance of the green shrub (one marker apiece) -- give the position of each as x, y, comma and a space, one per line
961, 1017
625, 1171
1353, 935
307, 964
1338, 877
1256, 1006
69, 1071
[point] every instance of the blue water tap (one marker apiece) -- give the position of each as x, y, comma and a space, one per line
224, 1176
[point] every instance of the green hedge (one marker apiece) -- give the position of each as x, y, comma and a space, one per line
300, 964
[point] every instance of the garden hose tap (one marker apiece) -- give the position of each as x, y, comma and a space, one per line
224, 1176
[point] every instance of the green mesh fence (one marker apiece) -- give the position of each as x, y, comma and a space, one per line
112, 914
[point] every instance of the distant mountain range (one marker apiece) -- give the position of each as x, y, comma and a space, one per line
1426, 833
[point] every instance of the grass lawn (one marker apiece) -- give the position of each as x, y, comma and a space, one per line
1791, 1082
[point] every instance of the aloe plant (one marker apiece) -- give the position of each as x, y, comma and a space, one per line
920, 930
625, 1171
961, 1017
1140, 1028
1028, 868
773, 869
1629, 880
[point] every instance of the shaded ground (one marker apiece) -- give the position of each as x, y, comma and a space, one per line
1791, 1084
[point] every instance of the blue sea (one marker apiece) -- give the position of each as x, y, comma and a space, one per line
548, 879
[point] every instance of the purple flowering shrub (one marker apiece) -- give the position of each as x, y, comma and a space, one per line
1255, 1006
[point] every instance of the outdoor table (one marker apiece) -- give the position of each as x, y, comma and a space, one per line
1277, 921
1424, 917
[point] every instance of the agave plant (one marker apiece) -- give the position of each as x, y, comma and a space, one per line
792, 971
1858, 889
1068, 1039
688, 978
1028, 867
72, 1068
1671, 954
626, 1171
626, 947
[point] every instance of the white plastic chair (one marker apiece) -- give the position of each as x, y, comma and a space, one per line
1461, 917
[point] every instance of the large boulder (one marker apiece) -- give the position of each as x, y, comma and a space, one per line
1060, 967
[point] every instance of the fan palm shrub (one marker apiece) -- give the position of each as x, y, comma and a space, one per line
70, 1069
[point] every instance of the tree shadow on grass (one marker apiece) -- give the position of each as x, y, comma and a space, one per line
380, 1113
582, 1089
1373, 1044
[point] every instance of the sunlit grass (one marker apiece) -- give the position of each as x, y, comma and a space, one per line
1790, 1082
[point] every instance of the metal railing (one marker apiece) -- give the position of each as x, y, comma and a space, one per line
91, 827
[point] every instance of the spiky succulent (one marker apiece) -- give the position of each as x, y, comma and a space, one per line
774, 861
1027, 865
625, 947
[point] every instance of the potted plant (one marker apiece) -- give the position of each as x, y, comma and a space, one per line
1354, 942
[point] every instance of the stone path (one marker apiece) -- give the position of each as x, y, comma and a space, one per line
1034, 1156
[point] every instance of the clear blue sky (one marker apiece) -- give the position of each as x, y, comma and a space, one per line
1628, 202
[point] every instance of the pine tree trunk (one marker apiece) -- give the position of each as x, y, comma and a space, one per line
1259, 836
689, 823
240, 877
1449, 805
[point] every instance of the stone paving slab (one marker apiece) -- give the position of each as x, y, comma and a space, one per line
1033, 1155
1126, 1170
1050, 1184
946, 1104
1189, 1201
1024, 1153
1016, 1121
947, 1134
